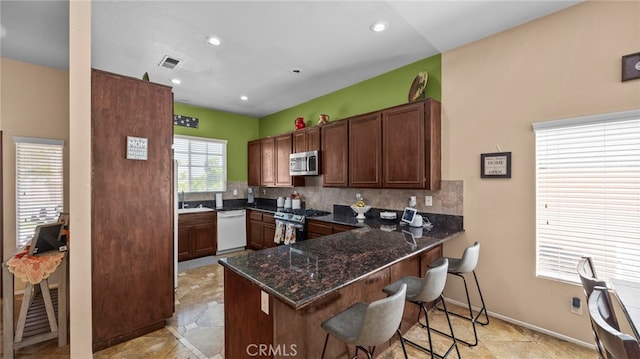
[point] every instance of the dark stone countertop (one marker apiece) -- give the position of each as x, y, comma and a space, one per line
304, 272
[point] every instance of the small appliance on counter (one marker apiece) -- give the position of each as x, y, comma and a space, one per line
296, 203
280, 202
388, 215
287, 202
250, 199
411, 217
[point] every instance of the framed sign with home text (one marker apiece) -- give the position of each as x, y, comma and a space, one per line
495, 165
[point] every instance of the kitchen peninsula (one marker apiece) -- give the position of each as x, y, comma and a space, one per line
275, 299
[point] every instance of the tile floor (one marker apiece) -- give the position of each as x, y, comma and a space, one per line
196, 331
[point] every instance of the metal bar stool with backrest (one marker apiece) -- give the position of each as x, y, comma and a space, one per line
459, 267
617, 344
589, 281
367, 325
422, 291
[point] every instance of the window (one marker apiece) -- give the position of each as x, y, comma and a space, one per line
39, 184
588, 196
202, 164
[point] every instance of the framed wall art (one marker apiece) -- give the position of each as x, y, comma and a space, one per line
631, 67
495, 165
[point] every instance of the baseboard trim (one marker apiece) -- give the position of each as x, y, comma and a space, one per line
527, 325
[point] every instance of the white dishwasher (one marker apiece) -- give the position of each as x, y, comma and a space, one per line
232, 231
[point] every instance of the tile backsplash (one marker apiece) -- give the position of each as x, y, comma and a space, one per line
448, 200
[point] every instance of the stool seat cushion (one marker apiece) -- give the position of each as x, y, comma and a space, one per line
466, 264
414, 286
346, 325
454, 264
422, 290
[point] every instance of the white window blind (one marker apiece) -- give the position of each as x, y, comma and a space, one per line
39, 184
202, 164
588, 196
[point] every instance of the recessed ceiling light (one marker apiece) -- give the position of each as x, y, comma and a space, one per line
176, 81
379, 26
244, 98
213, 41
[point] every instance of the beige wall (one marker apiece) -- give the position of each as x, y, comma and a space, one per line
564, 65
35, 103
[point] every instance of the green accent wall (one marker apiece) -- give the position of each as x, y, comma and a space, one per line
236, 129
386, 90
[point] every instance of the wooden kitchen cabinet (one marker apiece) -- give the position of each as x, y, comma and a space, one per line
335, 160
283, 148
197, 235
365, 151
307, 139
132, 276
261, 229
317, 228
254, 152
268, 230
398, 147
268, 161
411, 153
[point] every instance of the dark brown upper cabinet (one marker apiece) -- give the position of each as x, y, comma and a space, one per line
307, 139
334, 157
365, 151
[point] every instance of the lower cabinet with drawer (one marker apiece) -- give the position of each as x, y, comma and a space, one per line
317, 229
261, 228
197, 235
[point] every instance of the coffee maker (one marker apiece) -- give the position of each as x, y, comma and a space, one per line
250, 195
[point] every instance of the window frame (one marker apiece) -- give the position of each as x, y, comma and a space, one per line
25, 232
609, 261
206, 141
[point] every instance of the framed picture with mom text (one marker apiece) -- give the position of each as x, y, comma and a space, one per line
495, 165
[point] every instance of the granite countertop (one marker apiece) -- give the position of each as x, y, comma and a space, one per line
304, 272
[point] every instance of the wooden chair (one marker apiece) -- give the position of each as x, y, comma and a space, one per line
616, 344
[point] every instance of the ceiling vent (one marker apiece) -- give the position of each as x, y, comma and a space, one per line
169, 62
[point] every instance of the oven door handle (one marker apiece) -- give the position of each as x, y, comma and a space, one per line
295, 225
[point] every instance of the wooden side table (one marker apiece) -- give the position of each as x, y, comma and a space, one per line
34, 326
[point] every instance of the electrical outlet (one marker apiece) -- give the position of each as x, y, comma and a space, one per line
264, 302
576, 306
428, 201
235, 192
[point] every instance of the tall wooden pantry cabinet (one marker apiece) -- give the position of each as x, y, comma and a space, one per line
132, 208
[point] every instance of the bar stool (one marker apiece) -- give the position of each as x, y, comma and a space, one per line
368, 324
421, 291
458, 267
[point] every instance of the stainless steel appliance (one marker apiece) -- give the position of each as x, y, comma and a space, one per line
304, 163
297, 217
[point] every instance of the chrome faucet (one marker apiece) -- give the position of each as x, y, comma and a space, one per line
182, 202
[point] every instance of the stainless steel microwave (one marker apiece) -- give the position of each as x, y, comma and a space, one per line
304, 163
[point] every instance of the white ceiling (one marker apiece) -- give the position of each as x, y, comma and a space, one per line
262, 42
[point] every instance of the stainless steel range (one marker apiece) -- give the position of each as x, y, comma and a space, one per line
297, 219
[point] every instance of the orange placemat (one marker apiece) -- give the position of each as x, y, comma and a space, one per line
34, 269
